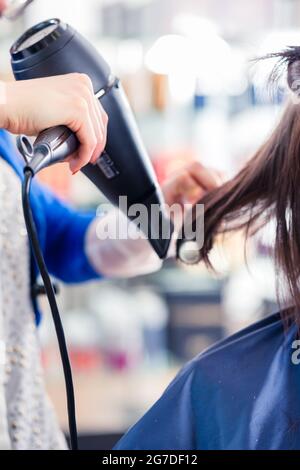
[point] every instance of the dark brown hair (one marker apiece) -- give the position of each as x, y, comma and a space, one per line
267, 186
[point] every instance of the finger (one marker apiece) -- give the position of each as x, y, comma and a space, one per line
220, 176
102, 119
85, 133
204, 177
87, 91
190, 190
82, 86
98, 128
100, 123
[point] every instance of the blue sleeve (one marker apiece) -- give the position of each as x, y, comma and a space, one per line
169, 424
61, 228
62, 231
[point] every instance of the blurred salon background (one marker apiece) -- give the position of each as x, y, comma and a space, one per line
187, 70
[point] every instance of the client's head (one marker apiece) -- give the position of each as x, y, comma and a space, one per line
268, 186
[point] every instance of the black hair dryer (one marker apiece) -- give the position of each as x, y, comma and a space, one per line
124, 169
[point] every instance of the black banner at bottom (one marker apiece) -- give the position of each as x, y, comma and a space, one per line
135, 459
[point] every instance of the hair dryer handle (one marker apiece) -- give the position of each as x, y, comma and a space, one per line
61, 141
52, 145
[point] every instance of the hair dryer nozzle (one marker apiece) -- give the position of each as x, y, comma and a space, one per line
159, 228
160, 246
189, 252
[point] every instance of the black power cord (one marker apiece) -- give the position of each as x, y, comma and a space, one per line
36, 249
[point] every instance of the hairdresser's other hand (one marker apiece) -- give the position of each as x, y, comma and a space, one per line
189, 185
30, 106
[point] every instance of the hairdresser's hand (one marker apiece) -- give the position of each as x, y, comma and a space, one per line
190, 184
30, 106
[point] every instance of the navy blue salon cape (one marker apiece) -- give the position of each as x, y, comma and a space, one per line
242, 393
61, 228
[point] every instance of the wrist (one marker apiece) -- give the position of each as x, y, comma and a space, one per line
3, 104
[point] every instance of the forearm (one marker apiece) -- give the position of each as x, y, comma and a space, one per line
113, 254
